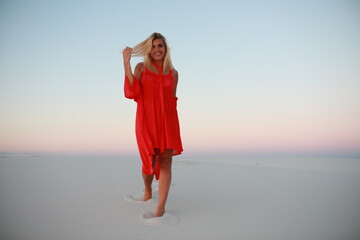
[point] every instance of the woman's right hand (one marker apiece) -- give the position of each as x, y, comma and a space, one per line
127, 54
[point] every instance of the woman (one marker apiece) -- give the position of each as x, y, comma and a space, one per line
153, 87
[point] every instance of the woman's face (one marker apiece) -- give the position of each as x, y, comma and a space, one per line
158, 50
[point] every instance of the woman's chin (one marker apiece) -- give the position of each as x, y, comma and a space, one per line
158, 58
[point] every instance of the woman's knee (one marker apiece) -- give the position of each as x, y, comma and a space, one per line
166, 159
166, 163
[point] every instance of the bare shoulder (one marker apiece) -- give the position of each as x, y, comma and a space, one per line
138, 70
175, 74
140, 66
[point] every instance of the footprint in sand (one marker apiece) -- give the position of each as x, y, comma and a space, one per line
168, 219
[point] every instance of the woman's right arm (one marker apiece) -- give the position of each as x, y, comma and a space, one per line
131, 85
127, 67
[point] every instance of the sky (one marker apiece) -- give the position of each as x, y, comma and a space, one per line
255, 77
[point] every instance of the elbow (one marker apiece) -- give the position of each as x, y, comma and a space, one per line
131, 94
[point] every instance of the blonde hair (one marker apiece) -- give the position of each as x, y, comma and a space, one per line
144, 48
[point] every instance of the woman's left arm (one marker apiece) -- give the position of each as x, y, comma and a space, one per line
176, 79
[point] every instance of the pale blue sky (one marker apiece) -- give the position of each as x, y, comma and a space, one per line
267, 76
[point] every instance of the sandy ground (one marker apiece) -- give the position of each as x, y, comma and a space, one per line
62, 197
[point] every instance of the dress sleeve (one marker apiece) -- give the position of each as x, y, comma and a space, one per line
131, 90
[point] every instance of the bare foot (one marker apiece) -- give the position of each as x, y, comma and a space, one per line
159, 212
147, 194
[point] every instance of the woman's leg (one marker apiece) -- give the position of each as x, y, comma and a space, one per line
148, 179
164, 181
147, 182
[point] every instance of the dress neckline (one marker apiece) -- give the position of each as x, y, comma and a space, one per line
159, 69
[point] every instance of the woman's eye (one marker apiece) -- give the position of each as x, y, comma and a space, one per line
160, 45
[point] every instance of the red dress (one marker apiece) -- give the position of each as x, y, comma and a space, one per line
157, 123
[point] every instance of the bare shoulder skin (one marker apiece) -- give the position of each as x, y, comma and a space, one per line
176, 80
138, 70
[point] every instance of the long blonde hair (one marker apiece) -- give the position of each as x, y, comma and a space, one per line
143, 49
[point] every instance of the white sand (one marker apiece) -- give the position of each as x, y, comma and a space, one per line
53, 197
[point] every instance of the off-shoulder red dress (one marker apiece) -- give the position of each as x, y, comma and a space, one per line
157, 123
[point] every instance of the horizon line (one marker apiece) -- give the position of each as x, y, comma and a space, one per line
191, 154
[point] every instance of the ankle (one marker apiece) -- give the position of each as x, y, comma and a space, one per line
160, 211
148, 189
147, 195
